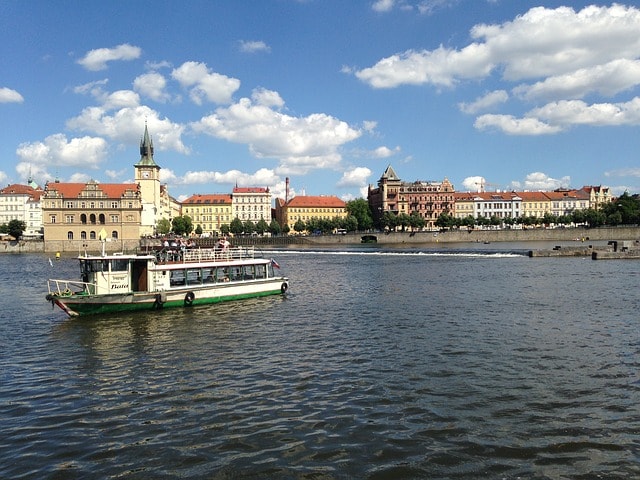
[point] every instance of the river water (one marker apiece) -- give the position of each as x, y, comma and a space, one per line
447, 363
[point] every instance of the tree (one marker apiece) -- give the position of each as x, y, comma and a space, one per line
236, 227
198, 230
299, 226
360, 209
224, 229
274, 227
416, 221
182, 225
164, 226
262, 226
15, 228
249, 227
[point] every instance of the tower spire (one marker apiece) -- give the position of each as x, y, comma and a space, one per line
146, 148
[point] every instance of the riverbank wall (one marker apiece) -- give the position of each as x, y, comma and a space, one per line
382, 238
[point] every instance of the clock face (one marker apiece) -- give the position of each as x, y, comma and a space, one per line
145, 174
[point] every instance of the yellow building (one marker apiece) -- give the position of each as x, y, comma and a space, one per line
77, 216
535, 204
305, 208
209, 212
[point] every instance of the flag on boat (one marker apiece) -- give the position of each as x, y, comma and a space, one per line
274, 263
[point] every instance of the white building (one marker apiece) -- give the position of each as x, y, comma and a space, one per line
22, 202
251, 204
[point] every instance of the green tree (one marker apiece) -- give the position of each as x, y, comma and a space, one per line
262, 226
224, 229
360, 209
416, 222
198, 230
249, 227
15, 228
274, 227
182, 225
236, 227
164, 226
299, 226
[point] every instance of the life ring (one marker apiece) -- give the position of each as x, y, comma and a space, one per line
67, 292
284, 287
188, 299
159, 303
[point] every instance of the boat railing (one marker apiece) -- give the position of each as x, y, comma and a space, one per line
217, 254
65, 288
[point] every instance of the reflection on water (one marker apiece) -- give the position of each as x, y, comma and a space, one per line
397, 363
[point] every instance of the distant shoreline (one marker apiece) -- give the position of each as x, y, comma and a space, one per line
382, 238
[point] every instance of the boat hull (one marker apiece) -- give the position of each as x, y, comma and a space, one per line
85, 304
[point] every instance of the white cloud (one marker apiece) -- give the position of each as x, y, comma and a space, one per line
356, 177
97, 59
383, 5
205, 85
514, 126
252, 46
7, 95
3, 177
473, 184
538, 181
608, 80
300, 143
385, 152
56, 150
152, 85
543, 42
623, 172
577, 112
485, 102
126, 125
267, 98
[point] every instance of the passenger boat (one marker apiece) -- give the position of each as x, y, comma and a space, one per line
188, 277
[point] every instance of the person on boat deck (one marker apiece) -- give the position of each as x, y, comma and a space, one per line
224, 244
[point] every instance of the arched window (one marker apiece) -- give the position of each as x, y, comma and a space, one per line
92, 219
92, 235
114, 234
102, 219
69, 235
83, 235
83, 218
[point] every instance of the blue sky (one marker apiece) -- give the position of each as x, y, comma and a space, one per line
513, 94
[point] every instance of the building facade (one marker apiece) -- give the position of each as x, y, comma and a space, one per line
210, 212
251, 204
80, 215
304, 208
428, 199
22, 202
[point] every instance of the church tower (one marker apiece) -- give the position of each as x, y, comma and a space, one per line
147, 175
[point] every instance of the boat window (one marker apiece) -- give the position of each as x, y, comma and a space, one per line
193, 276
119, 265
208, 275
248, 272
260, 271
176, 278
222, 274
235, 273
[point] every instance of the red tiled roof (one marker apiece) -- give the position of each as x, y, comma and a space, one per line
73, 190
303, 201
19, 189
250, 190
215, 198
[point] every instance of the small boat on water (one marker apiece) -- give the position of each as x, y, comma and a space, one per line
196, 276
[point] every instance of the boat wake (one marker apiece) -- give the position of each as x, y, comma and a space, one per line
404, 253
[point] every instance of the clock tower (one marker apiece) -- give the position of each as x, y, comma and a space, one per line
147, 175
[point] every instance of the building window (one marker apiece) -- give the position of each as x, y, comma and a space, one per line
68, 219
114, 204
69, 204
114, 218
92, 235
92, 219
52, 219
69, 235
83, 235
114, 234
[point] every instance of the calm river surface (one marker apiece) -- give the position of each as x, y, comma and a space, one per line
446, 363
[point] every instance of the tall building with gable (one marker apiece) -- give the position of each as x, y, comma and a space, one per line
147, 176
22, 202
